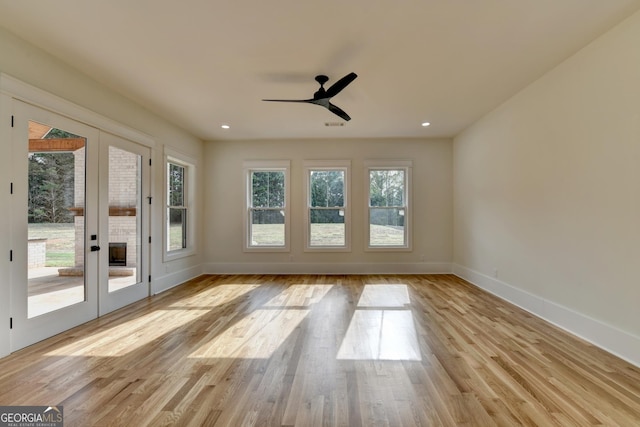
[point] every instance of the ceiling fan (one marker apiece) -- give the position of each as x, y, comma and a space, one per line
322, 96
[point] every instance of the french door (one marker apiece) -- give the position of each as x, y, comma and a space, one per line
79, 223
123, 266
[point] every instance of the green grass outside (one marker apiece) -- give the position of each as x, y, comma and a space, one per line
175, 237
60, 259
326, 234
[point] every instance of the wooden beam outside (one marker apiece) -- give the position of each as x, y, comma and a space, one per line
38, 130
55, 144
113, 211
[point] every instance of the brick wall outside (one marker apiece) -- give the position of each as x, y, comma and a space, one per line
37, 253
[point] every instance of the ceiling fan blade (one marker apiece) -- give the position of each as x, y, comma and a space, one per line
340, 84
338, 111
289, 100
322, 97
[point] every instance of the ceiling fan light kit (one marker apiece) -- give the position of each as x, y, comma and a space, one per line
322, 95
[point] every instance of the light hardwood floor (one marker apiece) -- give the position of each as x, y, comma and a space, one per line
416, 350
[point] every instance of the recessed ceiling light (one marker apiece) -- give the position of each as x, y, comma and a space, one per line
225, 126
425, 124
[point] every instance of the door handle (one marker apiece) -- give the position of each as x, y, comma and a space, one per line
95, 248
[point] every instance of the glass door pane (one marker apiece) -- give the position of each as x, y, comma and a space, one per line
125, 231
56, 228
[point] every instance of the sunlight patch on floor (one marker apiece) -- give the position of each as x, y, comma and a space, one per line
215, 296
256, 336
384, 296
130, 336
299, 296
381, 328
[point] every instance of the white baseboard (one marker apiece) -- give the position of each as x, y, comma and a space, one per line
328, 268
174, 279
611, 339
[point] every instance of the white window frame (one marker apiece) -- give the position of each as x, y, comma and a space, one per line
249, 167
327, 165
177, 158
406, 166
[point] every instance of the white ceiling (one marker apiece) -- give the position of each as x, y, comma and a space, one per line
204, 63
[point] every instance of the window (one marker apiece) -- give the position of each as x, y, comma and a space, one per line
327, 219
267, 210
176, 207
388, 205
180, 176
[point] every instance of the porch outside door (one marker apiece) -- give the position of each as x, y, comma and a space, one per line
62, 224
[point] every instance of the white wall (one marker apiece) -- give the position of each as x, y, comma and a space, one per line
35, 67
547, 195
432, 206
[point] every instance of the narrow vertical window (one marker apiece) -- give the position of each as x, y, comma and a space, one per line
267, 219
388, 206
327, 210
176, 207
180, 201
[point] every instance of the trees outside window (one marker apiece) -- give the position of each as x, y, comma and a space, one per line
51, 187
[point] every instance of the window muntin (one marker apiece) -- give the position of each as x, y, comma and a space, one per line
266, 213
388, 207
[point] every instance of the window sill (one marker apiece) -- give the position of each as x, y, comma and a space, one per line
176, 255
326, 249
388, 249
266, 249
